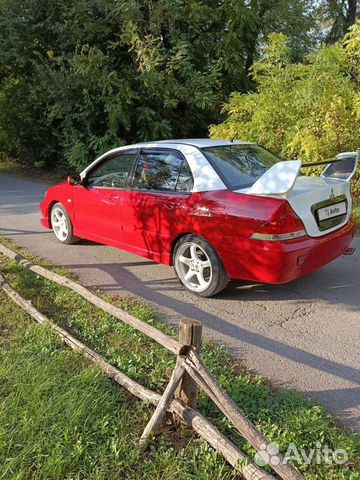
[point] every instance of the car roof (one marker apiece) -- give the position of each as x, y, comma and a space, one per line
194, 142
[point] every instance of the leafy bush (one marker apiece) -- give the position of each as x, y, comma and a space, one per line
80, 77
306, 110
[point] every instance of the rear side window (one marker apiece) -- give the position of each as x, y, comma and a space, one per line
239, 166
185, 179
162, 171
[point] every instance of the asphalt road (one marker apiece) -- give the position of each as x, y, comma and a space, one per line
303, 335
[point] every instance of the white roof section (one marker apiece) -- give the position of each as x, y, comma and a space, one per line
201, 142
195, 142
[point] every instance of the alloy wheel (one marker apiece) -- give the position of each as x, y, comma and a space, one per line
193, 266
59, 223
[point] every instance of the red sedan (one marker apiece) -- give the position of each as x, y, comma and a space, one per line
214, 209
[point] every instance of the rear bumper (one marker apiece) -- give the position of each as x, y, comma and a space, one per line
282, 262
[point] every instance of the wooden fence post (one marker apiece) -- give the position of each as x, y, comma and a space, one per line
190, 333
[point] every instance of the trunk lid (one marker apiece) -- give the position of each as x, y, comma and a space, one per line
323, 205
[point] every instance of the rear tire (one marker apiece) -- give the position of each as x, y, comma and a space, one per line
61, 225
199, 267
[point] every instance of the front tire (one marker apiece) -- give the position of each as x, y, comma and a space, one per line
199, 267
61, 225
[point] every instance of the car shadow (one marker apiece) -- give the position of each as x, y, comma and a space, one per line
128, 282
347, 397
16, 231
335, 289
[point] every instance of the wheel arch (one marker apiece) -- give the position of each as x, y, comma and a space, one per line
51, 204
174, 242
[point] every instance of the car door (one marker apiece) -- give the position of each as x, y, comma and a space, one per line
160, 186
97, 202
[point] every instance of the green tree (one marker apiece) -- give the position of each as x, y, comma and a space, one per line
78, 77
306, 110
337, 17
296, 19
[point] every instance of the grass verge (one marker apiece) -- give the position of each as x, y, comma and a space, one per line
61, 418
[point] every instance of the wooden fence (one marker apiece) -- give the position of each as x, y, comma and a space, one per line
181, 392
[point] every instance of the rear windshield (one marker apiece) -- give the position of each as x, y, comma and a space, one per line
239, 166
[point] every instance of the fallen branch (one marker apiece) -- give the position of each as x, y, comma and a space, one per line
162, 406
191, 417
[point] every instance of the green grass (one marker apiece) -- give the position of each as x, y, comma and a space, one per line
61, 418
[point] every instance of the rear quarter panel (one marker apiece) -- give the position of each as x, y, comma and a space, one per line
227, 220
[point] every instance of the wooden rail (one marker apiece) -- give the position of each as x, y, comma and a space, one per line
189, 370
188, 415
165, 340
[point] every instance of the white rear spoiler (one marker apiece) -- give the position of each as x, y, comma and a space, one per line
281, 177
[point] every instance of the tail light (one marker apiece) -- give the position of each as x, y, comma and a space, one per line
285, 226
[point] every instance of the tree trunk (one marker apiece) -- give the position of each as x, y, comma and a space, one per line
351, 13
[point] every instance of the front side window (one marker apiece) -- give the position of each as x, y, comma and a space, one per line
113, 173
239, 166
163, 171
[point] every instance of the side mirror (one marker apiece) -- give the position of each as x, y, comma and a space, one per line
74, 180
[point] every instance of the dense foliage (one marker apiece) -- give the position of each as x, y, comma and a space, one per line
304, 110
78, 77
